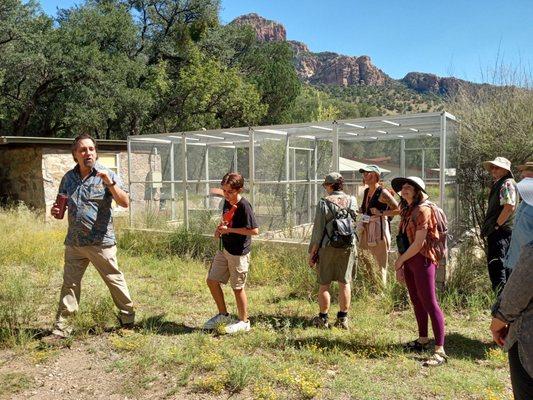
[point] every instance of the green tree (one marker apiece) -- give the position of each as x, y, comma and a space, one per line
495, 121
269, 66
208, 95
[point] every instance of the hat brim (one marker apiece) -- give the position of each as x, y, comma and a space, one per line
361, 170
397, 184
487, 164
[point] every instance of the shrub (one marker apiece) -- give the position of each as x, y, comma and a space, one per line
494, 121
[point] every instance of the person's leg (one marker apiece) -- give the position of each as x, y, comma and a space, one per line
521, 381
497, 246
69, 298
104, 260
345, 296
238, 270
424, 276
420, 313
218, 273
324, 299
218, 295
242, 304
381, 256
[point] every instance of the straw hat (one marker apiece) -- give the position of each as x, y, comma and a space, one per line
501, 162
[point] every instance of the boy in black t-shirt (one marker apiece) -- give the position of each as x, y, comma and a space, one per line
231, 262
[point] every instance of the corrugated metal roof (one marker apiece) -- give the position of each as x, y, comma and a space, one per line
5, 140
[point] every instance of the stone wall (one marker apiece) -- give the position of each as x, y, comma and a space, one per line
20, 176
55, 164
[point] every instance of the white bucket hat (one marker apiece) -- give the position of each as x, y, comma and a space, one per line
525, 188
501, 162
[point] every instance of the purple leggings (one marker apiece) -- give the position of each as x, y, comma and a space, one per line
419, 274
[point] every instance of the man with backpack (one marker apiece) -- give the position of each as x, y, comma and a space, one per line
332, 248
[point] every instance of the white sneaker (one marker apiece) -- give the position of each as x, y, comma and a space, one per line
238, 327
217, 320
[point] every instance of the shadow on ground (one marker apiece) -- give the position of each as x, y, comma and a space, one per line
159, 325
466, 348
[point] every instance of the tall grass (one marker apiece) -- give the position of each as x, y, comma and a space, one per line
29, 251
468, 286
31, 256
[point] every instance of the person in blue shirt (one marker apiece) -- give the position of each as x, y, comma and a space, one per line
523, 226
90, 188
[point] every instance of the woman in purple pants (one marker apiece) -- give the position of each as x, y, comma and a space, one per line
417, 265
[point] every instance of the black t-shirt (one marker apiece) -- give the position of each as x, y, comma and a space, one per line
244, 217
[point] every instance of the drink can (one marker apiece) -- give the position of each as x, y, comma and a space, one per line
61, 203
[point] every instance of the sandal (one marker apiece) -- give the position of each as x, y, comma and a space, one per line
415, 346
435, 360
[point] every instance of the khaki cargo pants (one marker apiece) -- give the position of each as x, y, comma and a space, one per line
104, 259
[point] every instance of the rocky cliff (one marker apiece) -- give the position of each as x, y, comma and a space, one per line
336, 69
430, 83
265, 30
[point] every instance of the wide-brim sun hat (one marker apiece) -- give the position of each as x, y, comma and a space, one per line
501, 162
415, 181
525, 189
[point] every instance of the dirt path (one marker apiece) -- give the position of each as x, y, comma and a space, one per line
75, 373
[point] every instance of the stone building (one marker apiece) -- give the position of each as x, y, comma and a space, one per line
31, 168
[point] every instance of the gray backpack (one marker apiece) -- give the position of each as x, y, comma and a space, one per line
343, 222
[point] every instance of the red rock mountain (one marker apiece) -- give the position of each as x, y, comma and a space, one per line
328, 68
336, 69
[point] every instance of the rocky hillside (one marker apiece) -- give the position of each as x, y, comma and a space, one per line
328, 68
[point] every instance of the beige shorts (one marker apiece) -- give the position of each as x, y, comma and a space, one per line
227, 267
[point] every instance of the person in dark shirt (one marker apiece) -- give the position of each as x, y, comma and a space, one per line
231, 262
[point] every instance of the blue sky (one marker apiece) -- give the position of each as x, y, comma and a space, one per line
462, 38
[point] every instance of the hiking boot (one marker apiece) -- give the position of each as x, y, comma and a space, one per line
342, 323
217, 320
319, 322
240, 326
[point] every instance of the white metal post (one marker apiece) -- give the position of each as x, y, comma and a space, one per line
185, 181
129, 182
335, 163
423, 164
315, 172
309, 187
206, 169
442, 169
293, 214
287, 178
251, 166
172, 185
402, 157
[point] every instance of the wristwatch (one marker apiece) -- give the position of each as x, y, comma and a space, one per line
113, 183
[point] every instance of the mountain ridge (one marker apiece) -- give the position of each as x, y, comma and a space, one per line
330, 68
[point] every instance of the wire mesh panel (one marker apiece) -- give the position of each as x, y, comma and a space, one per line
175, 178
